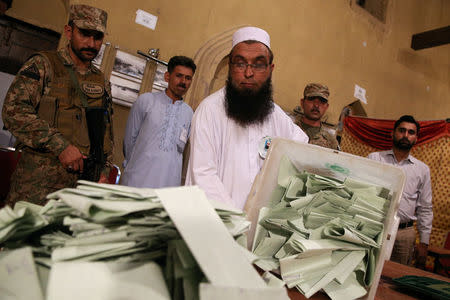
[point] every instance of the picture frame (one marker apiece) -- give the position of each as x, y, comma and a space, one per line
126, 78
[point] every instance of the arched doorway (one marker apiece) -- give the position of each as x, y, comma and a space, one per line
220, 76
212, 67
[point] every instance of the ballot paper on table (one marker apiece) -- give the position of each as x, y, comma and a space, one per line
230, 273
214, 249
122, 225
106, 281
17, 270
18, 223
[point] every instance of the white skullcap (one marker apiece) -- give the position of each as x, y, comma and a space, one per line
251, 34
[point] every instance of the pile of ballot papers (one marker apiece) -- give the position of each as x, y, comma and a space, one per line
320, 233
102, 241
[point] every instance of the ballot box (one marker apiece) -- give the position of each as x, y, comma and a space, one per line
335, 164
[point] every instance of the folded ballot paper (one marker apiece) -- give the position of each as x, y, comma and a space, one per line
321, 233
102, 241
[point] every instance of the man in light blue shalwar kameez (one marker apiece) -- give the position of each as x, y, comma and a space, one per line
157, 130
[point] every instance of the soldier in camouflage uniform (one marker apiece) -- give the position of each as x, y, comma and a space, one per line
45, 110
314, 104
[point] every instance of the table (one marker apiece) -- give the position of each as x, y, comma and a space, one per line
440, 253
386, 290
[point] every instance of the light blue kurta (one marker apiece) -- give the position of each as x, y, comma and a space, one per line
156, 133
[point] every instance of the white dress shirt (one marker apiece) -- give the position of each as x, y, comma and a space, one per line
415, 203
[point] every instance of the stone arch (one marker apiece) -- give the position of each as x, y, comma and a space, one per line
210, 60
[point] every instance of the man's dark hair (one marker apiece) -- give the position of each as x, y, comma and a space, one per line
408, 119
252, 42
181, 61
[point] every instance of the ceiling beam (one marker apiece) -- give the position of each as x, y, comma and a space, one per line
431, 38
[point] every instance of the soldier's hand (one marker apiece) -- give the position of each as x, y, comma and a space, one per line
72, 159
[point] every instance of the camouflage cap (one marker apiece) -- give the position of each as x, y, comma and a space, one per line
316, 90
88, 17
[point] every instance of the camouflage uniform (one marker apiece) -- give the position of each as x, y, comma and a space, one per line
39, 171
319, 136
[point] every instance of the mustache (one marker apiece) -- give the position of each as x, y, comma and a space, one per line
403, 144
182, 85
89, 50
404, 140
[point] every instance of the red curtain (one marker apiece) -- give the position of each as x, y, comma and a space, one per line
377, 133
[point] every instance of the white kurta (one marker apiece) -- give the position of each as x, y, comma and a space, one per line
224, 157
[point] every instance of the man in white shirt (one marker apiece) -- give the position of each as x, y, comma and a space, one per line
231, 127
415, 203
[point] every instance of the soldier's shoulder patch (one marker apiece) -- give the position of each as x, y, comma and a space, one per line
31, 72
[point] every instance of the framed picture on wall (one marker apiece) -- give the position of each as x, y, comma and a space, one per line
159, 84
126, 78
128, 66
124, 92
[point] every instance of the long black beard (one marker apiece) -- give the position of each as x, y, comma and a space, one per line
248, 107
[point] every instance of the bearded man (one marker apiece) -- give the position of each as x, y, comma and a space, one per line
232, 128
59, 109
415, 203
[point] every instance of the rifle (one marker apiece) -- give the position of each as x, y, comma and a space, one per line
95, 162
